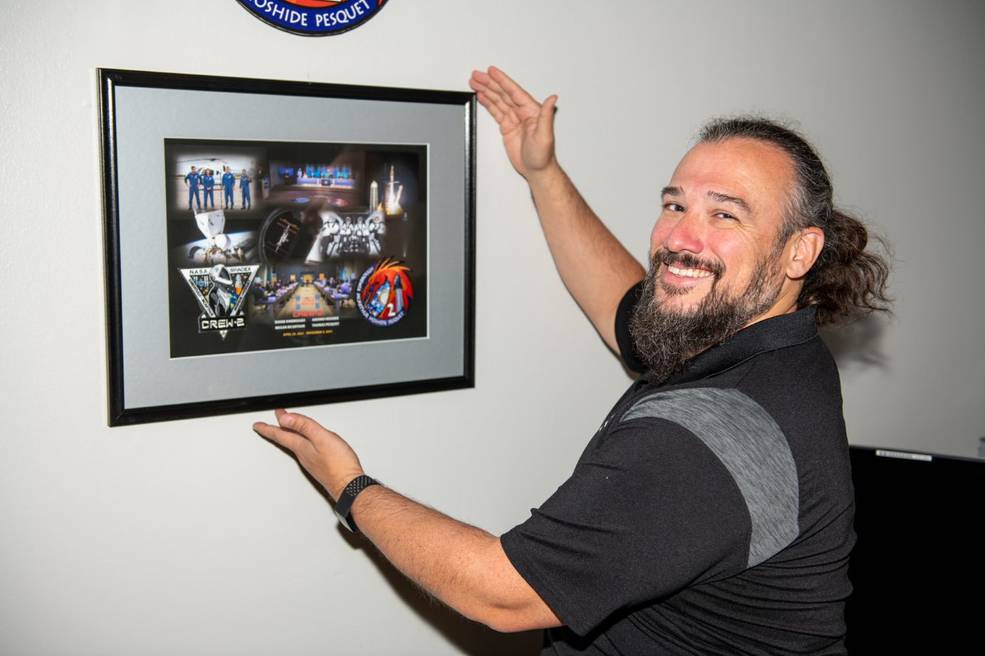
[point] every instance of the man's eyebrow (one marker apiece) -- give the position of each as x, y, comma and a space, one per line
671, 191
725, 198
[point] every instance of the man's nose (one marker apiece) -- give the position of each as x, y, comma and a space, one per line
686, 235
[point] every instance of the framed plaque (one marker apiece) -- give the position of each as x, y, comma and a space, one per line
274, 243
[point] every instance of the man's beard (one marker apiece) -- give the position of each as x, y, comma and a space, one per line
665, 339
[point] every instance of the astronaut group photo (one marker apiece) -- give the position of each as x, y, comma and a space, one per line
275, 245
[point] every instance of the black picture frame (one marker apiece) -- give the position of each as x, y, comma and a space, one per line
139, 111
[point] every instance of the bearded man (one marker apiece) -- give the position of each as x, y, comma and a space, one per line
712, 511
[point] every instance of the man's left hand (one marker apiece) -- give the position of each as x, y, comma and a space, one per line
325, 455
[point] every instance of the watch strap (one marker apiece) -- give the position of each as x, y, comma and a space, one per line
343, 507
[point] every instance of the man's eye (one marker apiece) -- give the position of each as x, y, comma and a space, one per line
724, 215
673, 207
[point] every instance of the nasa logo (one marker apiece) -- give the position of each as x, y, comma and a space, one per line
314, 17
384, 292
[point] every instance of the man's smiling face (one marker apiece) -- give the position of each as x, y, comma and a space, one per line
717, 236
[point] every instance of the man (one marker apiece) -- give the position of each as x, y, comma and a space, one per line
192, 180
712, 510
244, 187
208, 182
228, 182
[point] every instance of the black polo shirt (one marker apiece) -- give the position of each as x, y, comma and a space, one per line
709, 514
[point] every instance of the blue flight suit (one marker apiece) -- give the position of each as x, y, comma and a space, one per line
244, 185
228, 182
209, 183
192, 180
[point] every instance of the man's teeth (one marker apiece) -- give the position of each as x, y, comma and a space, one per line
688, 273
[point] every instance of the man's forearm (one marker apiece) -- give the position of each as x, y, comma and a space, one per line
463, 566
594, 266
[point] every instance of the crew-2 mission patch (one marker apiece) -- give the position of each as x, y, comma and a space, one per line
221, 292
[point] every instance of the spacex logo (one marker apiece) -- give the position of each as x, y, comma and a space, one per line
313, 17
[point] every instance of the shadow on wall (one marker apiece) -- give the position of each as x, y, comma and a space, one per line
859, 342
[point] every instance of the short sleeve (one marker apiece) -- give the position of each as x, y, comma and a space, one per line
624, 339
647, 512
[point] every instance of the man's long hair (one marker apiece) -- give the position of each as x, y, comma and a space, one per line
847, 280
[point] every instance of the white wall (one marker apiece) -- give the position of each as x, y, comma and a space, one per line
197, 537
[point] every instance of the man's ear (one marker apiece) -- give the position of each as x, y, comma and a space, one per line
805, 247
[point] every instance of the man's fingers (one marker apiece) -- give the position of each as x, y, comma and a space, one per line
492, 88
285, 438
504, 115
479, 80
545, 120
493, 93
507, 111
515, 92
491, 107
482, 82
514, 102
297, 423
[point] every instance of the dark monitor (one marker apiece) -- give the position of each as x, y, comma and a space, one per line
918, 567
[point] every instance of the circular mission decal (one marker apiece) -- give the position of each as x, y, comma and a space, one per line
314, 17
384, 292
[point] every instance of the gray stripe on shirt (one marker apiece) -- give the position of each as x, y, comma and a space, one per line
753, 449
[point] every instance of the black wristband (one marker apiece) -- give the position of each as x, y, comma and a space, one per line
343, 507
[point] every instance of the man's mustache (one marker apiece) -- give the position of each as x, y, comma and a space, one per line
686, 261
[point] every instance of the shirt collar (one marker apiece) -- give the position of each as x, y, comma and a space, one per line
768, 335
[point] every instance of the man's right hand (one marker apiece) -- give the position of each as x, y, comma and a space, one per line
527, 126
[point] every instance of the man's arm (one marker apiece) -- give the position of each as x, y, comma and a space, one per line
463, 566
594, 266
